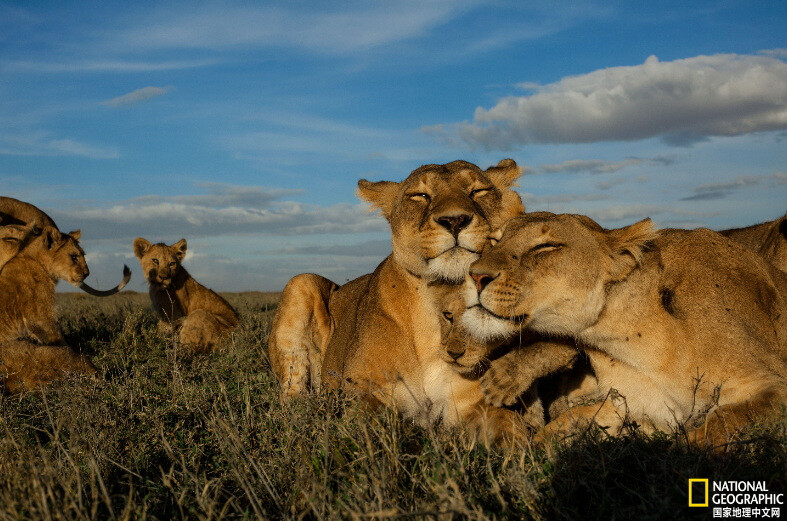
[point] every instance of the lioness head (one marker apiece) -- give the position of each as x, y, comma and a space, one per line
549, 273
441, 215
61, 255
160, 262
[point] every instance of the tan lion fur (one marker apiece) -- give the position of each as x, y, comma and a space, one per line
683, 329
27, 306
379, 335
25, 366
769, 239
13, 238
201, 318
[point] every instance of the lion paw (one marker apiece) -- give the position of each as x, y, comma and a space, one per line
501, 385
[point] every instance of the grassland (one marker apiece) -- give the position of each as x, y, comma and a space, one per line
164, 436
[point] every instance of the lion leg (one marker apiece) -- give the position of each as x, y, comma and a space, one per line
300, 332
515, 372
45, 332
496, 426
201, 331
605, 414
724, 421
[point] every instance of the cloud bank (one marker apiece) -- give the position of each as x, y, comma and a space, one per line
225, 210
681, 101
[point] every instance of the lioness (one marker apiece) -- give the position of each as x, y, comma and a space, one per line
25, 366
682, 326
201, 318
379, 335
13, 238
59, 253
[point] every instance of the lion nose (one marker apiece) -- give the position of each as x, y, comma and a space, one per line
454, 223
455, 351
482, 280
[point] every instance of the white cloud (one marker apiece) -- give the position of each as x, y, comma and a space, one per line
138, 96
227, 210
102, 66
681, 101
42, 144
353, 26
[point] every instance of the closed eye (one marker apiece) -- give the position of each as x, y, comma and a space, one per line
420, 197
478, 192
545, 247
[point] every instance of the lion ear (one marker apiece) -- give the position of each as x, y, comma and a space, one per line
52, 237
628, 244
141, 247
504, 174
76, 234
381, 194
179, 249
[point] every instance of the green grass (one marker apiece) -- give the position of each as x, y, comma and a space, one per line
164, 436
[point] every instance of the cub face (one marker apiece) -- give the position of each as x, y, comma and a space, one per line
459, 349
441, 215
549, 272
62, 255
160, 262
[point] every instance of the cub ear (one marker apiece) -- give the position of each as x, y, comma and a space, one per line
504, 174
76, 234
381, 194
141, 247
628, 244
179, 249
52, 237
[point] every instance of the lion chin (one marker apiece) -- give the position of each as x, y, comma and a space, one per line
485, 327
451, 266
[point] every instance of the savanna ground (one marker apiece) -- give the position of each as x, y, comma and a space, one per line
160, 435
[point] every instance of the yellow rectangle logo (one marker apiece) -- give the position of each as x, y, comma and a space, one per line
692, 503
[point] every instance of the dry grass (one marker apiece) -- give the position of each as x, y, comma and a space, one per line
163, 436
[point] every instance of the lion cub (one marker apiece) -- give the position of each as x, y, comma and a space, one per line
200, 317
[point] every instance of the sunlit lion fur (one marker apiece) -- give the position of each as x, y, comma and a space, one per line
379, 335
25, 366
13, 238
201, 318
683, 329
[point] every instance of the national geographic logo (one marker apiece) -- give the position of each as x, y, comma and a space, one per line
736, 499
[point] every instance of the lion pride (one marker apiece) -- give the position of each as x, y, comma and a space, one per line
683, 328
379, 335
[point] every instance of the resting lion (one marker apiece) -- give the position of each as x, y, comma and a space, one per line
379, 335
13, 238
201, 318
60, 253
679, 327
25, 366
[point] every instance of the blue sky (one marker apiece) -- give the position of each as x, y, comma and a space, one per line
244, 126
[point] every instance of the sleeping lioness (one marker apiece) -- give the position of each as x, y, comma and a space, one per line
379, 335
680, 328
